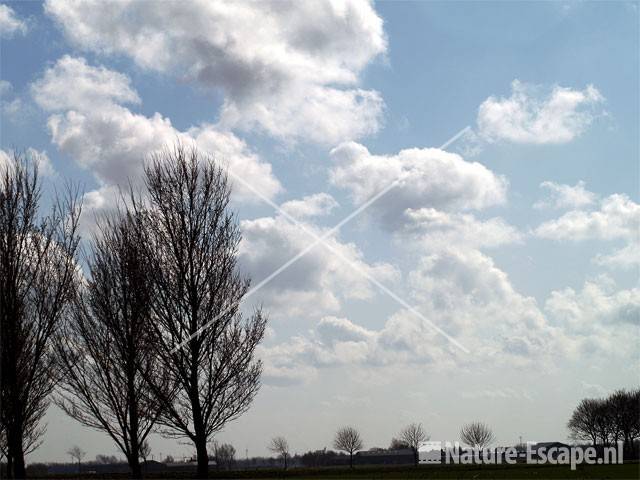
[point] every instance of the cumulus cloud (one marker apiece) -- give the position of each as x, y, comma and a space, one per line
618, 217
601, 316
5, 87
431, 229
627, 257
72, 84
33, 156
319, 281
460, 291
10, 24
279, 71
90, 123
560, 196
315, 205
533, 115
428, 178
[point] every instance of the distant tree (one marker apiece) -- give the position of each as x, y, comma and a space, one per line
605, 421
168, 459
280, 446
77, 454
348, 440
224, 454
204, 343
477, 435
608, 420
106, 368
583, 423
413, 435
634, 417
106, 459
37, 272
398, 444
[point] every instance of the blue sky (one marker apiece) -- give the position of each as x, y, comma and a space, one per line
323, 104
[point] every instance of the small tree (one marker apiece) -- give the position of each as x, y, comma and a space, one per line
77, 454
224, 455
280, 446
412, 436
348, 440
477, 435
583, 423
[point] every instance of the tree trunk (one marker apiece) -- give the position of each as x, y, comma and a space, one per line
134, 461
350, 459
9, 465
415, 456
134, 465
14, 444
203, 457
285, 462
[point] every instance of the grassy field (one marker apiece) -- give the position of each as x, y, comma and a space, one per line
626, 471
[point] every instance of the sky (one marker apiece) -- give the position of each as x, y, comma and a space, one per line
496, 276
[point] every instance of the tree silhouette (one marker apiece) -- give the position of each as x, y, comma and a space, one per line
105, 347
37, 272
204, 344
280, 446
412, 436
477, 435
348, 440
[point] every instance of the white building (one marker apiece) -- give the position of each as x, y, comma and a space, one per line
430, 453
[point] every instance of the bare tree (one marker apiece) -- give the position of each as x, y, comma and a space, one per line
77, 454
37, 271
203, 342
224, 455
477, 435
280, 446
583, 423
608, 420
412, 436
105, 347
348, 440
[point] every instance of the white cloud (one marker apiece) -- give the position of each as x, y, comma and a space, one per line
89, 124
617, 217
464, 294
432, 229
315, 205
5, 88
627, 257
429, 178
289, 68
72, 84
561, 196
318, 282
598, 303
531, 115
33, 156
5, 160
10, 24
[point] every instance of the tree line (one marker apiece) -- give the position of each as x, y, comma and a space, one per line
151, 338
606, 421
